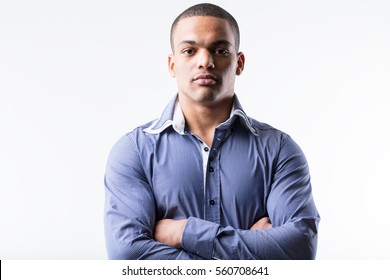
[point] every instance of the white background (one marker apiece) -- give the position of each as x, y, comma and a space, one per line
76, 75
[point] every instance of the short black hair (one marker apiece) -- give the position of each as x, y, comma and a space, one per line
207, 9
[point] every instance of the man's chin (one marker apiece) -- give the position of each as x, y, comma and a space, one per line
206, 99
205, 96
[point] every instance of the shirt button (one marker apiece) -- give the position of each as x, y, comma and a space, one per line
211, 169
206, 149
212, 202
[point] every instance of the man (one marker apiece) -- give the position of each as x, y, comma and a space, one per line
205, 181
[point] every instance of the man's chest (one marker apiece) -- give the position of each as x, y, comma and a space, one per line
229, 186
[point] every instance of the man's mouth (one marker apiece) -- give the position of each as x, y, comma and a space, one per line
205, 79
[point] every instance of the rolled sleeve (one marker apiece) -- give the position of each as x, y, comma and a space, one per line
199, 236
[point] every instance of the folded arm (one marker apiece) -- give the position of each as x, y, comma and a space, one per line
291, 210
130, 216
169, 231
130, 213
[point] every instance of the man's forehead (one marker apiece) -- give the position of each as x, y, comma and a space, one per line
203, 26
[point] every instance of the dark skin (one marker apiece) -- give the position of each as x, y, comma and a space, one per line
205, 63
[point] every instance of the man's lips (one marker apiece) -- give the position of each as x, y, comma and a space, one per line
205, 79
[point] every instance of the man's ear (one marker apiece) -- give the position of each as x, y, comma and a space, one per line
240, 63
171, 65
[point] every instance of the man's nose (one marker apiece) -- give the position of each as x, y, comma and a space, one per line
205, 60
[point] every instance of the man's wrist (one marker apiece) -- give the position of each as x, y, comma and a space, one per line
180, 230
169, 231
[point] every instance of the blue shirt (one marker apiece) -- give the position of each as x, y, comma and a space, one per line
160, 170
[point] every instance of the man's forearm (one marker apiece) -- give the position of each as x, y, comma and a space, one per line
170, 231
294, 240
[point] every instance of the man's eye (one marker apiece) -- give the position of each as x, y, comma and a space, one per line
222, 51
188, 51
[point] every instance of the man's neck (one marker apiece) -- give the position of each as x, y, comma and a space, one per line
202, 119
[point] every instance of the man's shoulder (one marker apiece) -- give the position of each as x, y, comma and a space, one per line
139, 131
141, 128
261, 125
269, 134
148, 133
133, 141
265, 129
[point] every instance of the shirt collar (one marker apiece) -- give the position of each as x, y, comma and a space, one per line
173, 116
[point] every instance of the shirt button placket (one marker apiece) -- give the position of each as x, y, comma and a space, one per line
213, 186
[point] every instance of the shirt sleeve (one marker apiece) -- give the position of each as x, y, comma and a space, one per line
130, 214
291, 210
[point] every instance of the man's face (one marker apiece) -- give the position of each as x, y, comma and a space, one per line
204, 60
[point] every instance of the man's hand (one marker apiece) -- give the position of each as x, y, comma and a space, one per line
263, 223
169, 232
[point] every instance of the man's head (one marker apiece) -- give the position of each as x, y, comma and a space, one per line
207, 9
205, 57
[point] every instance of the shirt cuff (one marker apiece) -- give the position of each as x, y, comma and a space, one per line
198, 237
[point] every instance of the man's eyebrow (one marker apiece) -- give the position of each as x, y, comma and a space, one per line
189, 42
215, 43
221, 42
